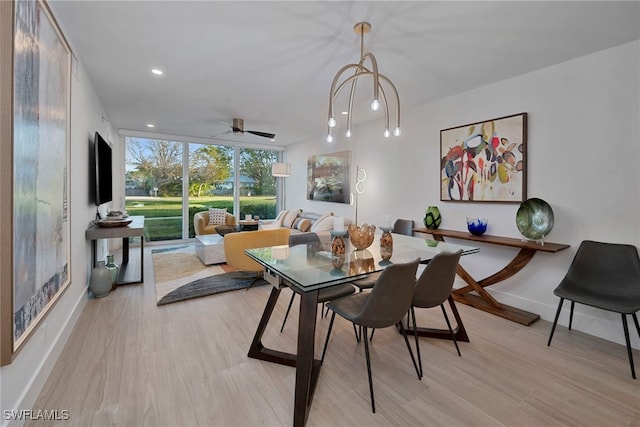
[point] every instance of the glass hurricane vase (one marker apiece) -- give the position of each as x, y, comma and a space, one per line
386, 243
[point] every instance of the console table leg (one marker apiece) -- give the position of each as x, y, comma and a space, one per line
483, 300
125, 250
473, 285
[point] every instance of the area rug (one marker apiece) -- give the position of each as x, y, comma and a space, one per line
180, 275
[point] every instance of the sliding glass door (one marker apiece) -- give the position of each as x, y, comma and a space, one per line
169, 181
153, 185
210, 179
257, 195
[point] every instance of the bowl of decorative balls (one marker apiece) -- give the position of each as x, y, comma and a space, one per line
115, 219
115, 215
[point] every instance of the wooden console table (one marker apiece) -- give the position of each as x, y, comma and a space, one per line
484, 301
136, 228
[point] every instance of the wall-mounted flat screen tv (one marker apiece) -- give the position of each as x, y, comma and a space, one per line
103, 162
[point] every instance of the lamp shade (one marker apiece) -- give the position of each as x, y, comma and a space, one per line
281, 169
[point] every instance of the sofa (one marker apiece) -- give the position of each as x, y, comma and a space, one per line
202, 226
236, 243
299, 221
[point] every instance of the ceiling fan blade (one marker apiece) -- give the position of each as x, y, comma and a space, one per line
262, 134
221, 133
237, 126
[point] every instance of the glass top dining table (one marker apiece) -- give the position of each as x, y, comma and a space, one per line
309, 267
306, 269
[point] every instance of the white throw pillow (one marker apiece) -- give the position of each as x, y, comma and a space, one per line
279, 218
270, 226
324, 223
217, 216
291, 216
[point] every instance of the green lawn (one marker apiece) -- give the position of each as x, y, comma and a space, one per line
163, 215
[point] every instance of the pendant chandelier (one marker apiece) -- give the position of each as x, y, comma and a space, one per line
379, 96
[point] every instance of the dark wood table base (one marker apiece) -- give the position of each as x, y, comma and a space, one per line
459, 331
307, 367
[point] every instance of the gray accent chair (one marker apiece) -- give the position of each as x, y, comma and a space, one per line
386, 305
605, 276
433, 287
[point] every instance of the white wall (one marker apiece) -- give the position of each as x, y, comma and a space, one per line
22, 380
583, 154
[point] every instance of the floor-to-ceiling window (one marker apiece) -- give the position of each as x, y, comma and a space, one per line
257, 195
169, 181
210, 179
153, 185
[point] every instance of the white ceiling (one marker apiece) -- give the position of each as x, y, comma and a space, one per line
271, 62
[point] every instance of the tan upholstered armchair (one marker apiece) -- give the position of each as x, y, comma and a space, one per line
236, 243
201, 223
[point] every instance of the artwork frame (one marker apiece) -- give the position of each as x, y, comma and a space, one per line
35, 141
485, 161
328, 177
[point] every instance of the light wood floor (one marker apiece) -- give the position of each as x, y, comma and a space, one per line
131, 363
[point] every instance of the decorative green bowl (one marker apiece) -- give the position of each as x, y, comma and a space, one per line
534, 219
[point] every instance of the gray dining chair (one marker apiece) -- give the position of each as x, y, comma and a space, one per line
433, 288
401, 226
324, 295
605, 276
386, 305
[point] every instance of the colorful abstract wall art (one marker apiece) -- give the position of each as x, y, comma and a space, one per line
485, 161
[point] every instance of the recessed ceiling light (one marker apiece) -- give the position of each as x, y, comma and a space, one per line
345, 113
157, 71
150, 125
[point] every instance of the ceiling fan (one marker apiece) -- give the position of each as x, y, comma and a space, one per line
237, 127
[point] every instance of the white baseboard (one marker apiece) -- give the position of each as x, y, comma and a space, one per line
592, 321
35, 383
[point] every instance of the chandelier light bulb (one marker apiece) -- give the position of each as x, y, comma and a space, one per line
329, 138
375, 105
348, 134
332, 122
387, 133
397, 132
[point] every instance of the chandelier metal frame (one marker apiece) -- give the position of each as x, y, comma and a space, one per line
379, 94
